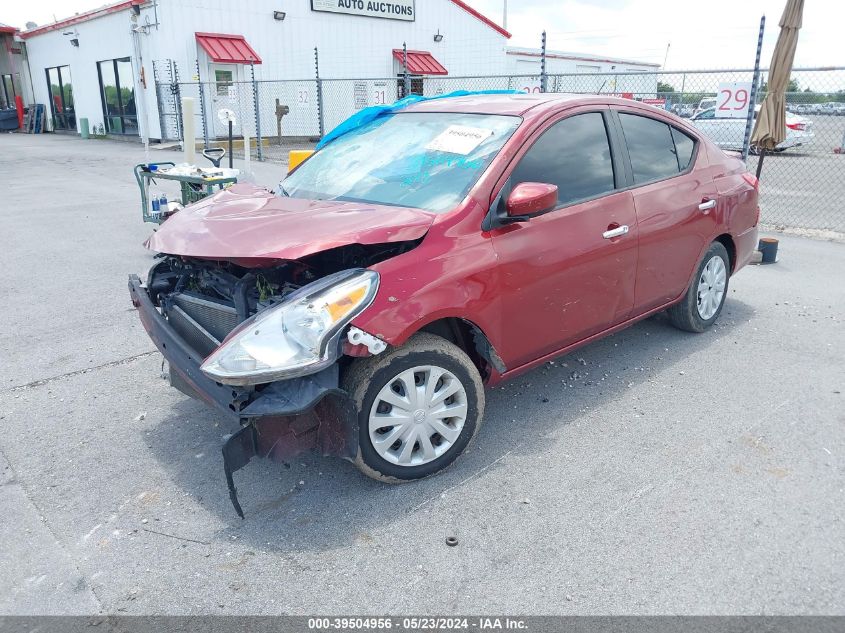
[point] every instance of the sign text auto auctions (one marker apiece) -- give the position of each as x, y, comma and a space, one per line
391, 9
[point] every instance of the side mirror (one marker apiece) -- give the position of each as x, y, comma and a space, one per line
530, 198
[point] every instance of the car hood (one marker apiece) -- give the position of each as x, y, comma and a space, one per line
250, 224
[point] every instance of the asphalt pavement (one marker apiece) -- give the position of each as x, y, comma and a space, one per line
652, 472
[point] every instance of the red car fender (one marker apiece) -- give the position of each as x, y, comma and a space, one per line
452, 276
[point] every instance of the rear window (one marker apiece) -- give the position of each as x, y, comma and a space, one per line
684, 147
657, 150
650, 147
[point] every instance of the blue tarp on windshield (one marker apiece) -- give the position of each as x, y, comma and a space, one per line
366, 115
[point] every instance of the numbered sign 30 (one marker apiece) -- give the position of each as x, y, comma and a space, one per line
733, 99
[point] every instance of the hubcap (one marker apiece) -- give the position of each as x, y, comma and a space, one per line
418, 415
711, 287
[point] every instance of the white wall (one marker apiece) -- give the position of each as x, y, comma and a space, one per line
350, 46
103, 38
593, 73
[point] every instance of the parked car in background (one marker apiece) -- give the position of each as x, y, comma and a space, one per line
704, 104
413, 260
684, 111
730, 133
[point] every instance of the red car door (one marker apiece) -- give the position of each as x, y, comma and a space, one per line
568, 273
675, 201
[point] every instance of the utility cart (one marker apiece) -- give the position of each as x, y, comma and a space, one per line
196, 183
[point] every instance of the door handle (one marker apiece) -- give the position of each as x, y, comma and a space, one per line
706, 205
617, 232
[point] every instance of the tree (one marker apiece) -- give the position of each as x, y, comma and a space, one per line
792, 86
664, 87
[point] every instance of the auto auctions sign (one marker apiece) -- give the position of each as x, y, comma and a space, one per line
390, 9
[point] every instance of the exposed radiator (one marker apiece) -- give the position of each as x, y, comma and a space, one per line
203, 323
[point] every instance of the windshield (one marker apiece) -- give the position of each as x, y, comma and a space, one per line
426, 160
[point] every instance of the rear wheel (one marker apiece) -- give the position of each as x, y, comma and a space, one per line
418, 408
703, 302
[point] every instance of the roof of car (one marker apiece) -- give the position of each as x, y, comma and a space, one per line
512, 104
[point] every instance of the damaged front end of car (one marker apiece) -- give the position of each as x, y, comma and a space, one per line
264, 342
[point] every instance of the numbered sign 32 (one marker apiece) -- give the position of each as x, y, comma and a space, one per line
733, 99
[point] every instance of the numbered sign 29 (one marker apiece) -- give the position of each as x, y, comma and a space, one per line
733, 99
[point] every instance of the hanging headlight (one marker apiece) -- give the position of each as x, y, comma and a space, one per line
295, 338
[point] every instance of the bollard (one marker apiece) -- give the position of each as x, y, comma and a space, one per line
768, 247
189, 140
84, 131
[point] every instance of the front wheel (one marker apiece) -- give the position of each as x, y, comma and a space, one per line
418, 408
703, 302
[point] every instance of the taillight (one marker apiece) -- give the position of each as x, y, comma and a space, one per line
799, 127
751, 179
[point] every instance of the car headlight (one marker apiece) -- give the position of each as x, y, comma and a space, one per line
295, 338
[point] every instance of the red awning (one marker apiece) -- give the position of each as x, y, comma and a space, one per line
421, 63
227, 49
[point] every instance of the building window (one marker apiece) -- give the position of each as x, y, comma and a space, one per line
223, 81
117, 92
61, 98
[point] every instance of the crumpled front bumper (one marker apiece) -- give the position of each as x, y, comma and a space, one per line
278, 420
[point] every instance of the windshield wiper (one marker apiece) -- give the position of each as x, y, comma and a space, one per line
283, 191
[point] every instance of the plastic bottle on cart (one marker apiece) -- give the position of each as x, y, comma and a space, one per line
162, 204
156, 212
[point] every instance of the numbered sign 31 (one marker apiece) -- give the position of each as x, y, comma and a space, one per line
733, 99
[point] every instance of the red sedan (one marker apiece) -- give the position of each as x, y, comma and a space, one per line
459, 242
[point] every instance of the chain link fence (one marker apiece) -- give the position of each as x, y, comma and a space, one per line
802, 182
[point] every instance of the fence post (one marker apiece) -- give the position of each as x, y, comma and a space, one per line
320, 115
257, 114
683, 85
176, 89
543, 77
406, 80
746, 142
202, 108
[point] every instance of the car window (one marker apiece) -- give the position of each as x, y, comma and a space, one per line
573, 154
684, 147
650, 147
707, 114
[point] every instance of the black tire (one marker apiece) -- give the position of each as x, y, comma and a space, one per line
365, 378
685, 315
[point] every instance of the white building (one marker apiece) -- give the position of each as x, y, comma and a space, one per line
101, 64
609, 75
115, 65
14, 75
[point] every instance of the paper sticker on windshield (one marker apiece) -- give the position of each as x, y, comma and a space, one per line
459, 139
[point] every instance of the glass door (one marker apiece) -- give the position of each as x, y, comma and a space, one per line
61, 98
117, 92
7, 92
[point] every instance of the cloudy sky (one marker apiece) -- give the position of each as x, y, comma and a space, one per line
702, 33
